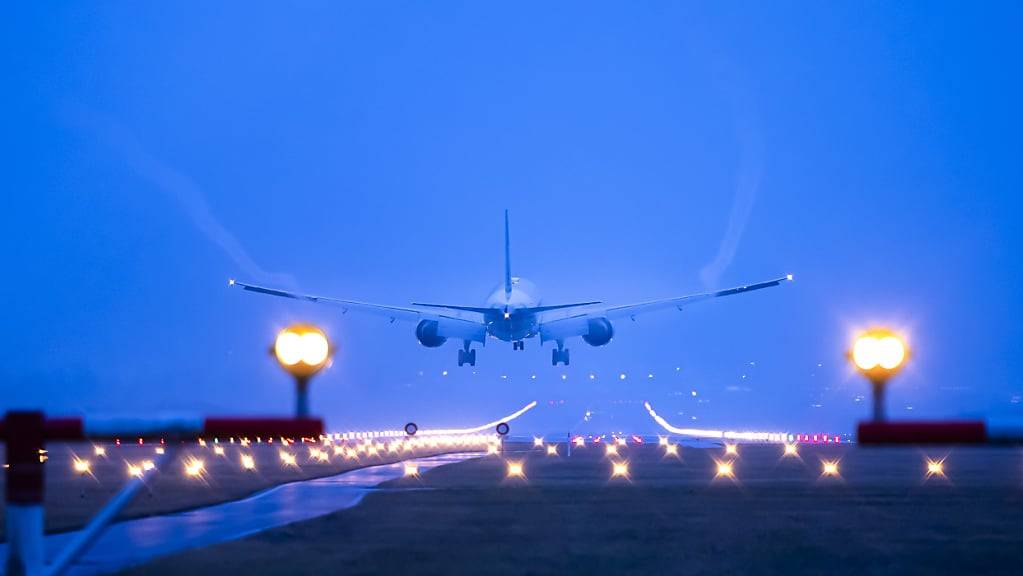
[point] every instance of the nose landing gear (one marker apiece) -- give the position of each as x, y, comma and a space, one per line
518, 345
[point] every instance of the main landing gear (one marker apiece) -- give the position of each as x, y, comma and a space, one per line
518, 345
559, 354
466, 355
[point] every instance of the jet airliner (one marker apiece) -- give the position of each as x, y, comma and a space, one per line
513, 313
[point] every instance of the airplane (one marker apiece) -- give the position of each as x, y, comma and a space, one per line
513, 313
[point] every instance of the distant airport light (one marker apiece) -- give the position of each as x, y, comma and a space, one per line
537, 442
552, 450
879, 354
134, 471
662, 440
302, 350
82, 466
731, 449
829, 468
248, 462
671, 449
579, 441
148, 465
515, 470
492, 449
287, 458
218, 450
611, 450
791, 450
725, 469
935, 467
160, 450
620, 441
620, 469
411, 469
99, 451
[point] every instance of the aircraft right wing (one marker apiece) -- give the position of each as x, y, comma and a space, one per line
583, 323
448, 325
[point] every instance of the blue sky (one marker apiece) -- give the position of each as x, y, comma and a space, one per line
644, 150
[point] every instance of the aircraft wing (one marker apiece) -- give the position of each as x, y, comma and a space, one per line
449, 326
579, 324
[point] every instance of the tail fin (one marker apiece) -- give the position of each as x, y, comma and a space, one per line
507, 257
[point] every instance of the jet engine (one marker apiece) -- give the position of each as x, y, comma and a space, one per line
426, 333
599, 331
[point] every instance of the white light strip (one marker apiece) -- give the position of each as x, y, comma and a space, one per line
493, 424
724, 434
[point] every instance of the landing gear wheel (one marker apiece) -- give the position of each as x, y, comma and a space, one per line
467, 357
518, 345
559, 356
503, 429
411, 428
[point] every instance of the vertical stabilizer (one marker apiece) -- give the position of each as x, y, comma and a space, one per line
507, 257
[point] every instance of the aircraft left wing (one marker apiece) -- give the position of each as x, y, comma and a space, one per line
449, 326
580, 324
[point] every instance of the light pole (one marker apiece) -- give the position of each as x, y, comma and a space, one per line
879, 354
302, 350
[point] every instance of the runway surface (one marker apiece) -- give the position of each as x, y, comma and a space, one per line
136, 541
879, 513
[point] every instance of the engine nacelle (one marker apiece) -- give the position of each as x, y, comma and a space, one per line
599, 331
426, 333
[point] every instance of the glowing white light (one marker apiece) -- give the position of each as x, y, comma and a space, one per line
552, 450
148, 465
537, 442
621, 376
662, 440
314, 348
411, 469
248, 462
731, 449
620, 441
890, 352
160, 450
791, 450
788, 277
671, 450
135, 471
218, 450
194, 467
610, 450
288, 348
620, 469
579, 441
935, 467
829, 468
515, 470
726, 469
82, 466
100, 451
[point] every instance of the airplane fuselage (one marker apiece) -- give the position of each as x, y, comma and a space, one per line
506, 320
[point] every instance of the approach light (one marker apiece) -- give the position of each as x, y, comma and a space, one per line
302, 350
194, 467
620, 469
726, 470
879, 354
515, 470
829, 468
